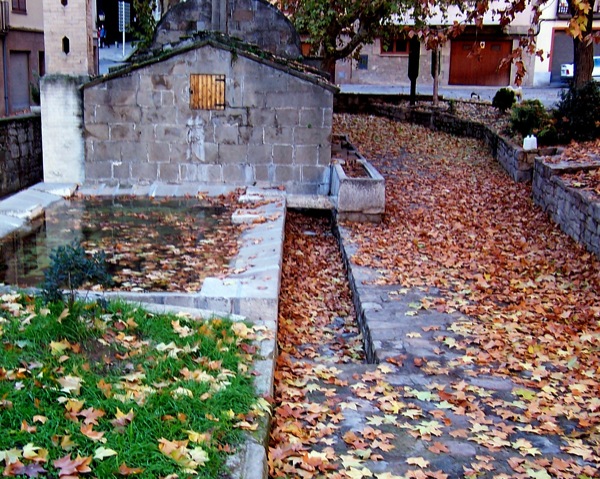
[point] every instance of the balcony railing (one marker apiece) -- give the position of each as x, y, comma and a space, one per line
562, 9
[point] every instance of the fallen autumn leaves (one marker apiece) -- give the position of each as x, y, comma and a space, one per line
513, 391
116, 391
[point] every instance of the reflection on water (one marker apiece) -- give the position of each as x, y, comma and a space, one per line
132, 231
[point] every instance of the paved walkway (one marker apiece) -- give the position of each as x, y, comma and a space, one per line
427, 408
113, 55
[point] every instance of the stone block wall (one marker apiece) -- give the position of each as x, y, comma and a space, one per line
20, 153
576, 211
275, 130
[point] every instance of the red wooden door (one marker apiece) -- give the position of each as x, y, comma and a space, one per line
481, 69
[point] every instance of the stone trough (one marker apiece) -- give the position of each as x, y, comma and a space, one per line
358, 195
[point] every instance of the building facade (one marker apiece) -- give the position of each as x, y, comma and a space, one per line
556, 42
475, 57
22, 60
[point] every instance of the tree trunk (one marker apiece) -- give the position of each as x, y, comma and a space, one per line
435, 70
583, 54
328, 66
583, 61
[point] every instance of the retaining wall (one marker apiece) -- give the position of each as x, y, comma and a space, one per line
20, 153
576, 211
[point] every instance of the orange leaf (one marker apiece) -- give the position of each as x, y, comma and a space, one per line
438, 448
87, 430
125, 470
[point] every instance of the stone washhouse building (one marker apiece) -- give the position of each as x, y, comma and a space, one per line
217, 98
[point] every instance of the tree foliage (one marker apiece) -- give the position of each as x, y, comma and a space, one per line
145, 24
337, 29
71, 267
578, 113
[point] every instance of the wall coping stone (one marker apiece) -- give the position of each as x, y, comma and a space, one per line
225, 43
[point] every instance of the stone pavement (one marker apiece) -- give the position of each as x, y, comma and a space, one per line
112, 56
421, 408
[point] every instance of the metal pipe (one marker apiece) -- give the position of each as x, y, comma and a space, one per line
5, 76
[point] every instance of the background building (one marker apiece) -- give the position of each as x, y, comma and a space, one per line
556, 42
22, 59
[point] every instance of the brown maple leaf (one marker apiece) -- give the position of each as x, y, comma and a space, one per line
91, 415
438, 448
88, 431
72, 467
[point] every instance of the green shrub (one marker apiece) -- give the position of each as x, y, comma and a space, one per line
548, 135
530, 117
70, 268
504, 99
452, 107
578, 113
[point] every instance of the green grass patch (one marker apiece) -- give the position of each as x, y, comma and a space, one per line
112, 391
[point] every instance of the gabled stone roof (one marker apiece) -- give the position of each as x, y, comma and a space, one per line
222, 42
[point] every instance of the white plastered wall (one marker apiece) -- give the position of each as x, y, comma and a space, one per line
62, 123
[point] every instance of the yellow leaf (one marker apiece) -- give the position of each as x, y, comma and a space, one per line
59, 347
539, 474
242, 331
350, 461
526, 394
10, 456
198, 437
354, 473
247, 426
70, 384
103, 452
32, 452
63, 315
199, 455
417, 461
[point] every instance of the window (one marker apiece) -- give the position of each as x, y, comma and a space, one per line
66, 45
563, 7
19, 6
394, 46
41, 63
363, 62
207, 92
